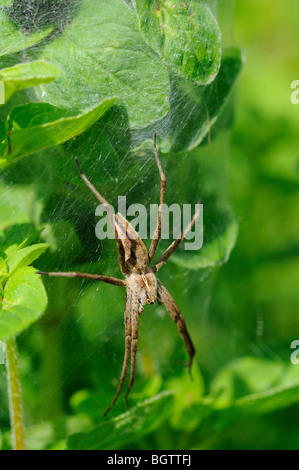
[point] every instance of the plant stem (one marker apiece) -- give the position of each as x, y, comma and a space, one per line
15, 394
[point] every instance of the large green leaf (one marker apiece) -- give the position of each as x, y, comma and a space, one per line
27, 75
23, 302
143, 418
185, 34
13, 39
102, 54
36, 126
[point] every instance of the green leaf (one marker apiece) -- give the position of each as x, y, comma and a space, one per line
3, 267
195, 109
102, 54
207, 165
32, 237
36, 126
25, 256
17, 236
16, 207
27, 75
185, 34
23, 302
143, 418
244, 377
216, 252
252, 386
44, 435
13, 39
3, 142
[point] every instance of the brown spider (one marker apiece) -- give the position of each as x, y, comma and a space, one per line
142, 285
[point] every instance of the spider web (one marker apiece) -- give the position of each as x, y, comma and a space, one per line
89, 323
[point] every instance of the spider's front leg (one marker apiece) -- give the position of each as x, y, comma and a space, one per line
94, 277
157, 233
165, 298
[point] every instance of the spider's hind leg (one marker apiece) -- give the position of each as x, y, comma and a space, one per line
134, 331
127, 351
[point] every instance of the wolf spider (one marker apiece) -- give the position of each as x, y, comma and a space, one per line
142, 285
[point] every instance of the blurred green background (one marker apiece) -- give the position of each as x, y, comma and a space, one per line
242, 315
255, 302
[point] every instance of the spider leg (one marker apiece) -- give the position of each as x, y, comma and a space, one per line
127, 351
110, 216
99, 197
168, 252
94, 277
157, 233
134, 331
165, 298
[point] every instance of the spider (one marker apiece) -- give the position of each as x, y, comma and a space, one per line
142, 286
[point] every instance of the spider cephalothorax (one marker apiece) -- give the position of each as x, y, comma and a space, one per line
142, 285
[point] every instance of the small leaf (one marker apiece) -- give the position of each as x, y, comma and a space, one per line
13, 39
24, 301
36, 126
17, 236
27, 75
185, 34
25, 256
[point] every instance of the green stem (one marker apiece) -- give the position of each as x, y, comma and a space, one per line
15, 394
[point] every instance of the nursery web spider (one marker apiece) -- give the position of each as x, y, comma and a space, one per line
142, 285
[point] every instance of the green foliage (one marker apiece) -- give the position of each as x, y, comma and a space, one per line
12, 38
186, 36
112, 60
27, 75
24, 256
96, 85
144, 418
35, 126
23, 297
109, 97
